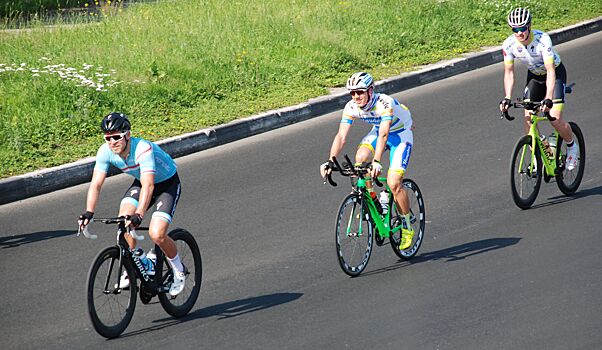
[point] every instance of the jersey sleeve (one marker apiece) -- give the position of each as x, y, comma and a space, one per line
507, 52
102, 159
347, 117
145, 156
547, 52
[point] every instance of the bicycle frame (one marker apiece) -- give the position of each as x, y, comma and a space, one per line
381, 222
549, 162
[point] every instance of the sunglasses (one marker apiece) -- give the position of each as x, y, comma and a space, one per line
357, 92
520, 29
115, 137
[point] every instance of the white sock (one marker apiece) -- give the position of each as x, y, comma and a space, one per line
176, 264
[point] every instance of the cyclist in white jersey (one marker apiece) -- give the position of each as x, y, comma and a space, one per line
391, 129
156, 183
546, 76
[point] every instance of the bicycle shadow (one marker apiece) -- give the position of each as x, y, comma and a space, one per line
459, 252
27, 238
223, 311
563, 198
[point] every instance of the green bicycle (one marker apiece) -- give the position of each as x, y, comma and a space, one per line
533, 159
360, 219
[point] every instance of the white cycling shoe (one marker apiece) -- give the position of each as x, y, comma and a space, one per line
571, 157
179, 279
124, 281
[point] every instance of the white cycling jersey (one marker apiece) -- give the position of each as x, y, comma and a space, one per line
384, 108
535, 55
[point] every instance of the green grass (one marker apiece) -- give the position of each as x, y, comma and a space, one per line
178, 66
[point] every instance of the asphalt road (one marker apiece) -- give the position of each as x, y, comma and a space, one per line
488, 275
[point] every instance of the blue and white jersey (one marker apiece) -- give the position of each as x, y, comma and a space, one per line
535, 55
385, 108
144, 157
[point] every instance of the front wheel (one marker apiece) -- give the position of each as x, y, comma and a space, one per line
568, 181
354, 235
110, 307
525, 173
417, 221
190, 255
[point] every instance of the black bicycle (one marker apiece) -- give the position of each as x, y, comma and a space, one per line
111, 307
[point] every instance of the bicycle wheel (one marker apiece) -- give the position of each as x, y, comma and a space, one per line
190, 255
525, 177
568, 181
353, 247
110, 308
417, 220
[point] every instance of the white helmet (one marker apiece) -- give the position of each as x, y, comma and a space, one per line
519, 17
360, 81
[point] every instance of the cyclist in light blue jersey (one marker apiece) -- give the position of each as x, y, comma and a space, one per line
392, 127
156, 184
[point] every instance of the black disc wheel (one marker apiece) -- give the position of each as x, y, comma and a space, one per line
568, 181
525, 173
417, 221
190, 255
353, 234
110, 308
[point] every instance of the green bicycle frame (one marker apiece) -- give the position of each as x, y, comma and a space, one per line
381, 222
549, 162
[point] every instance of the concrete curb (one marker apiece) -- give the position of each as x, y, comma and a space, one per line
52, 179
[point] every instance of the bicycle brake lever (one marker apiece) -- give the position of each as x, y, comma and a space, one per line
86, 233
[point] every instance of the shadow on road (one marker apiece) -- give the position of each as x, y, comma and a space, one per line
15, 241
456, 253
225, 310
567, 198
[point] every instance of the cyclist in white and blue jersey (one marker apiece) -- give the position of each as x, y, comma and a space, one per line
392, 127
156, 184
546, 76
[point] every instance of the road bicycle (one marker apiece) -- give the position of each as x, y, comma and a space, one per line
110, 307
534, 158
360, 219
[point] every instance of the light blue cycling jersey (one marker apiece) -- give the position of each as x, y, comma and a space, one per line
144, 157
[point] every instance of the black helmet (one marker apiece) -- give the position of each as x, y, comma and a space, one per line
115, 121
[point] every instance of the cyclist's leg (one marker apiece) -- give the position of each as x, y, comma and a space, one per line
167, 196
128, 206
535, 90
563, 128
401, 149
365, 152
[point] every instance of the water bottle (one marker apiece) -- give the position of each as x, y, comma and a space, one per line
546, 145
384, 201
148, 264
552, 142
376, 203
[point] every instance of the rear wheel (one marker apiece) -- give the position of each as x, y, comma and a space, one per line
353, 234
417, 221
525, 176
110, 307
568, 181
190, 255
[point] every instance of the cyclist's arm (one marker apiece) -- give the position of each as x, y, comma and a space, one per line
340, 139
381, 142
98, 178
508, 79
550, 78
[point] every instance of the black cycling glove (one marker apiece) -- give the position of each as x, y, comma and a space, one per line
505, 103
88, 215
547, 102
136, 220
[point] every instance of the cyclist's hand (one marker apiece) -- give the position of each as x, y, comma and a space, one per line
504, 104
326, 168
85, 219
376, 169
546, 105
134, 221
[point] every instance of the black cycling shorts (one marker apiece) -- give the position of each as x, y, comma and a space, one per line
535, 90
165, 197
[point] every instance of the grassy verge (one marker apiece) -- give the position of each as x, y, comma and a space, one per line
177, 66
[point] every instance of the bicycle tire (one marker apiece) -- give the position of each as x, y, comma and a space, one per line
109, 316
568, 182
352, 217
190, 255
418, 222
524, 183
